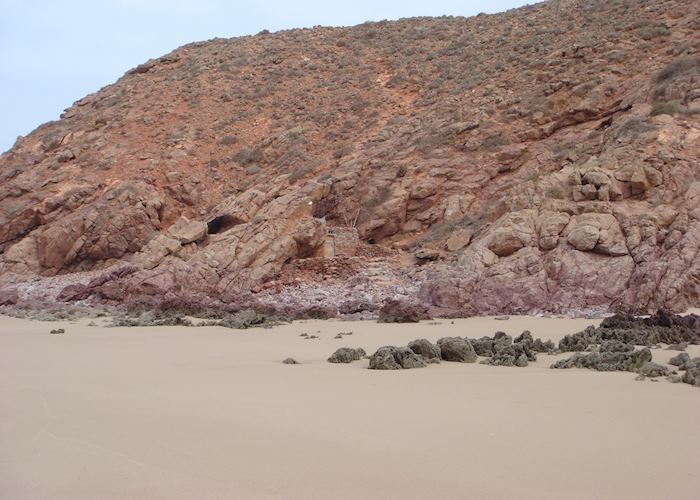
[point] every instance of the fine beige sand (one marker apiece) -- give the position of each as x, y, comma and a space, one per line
204, 413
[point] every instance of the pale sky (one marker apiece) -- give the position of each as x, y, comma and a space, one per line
53, 52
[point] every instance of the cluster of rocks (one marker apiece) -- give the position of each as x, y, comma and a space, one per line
57, 331
503, 350
500, 350
612, 345
615, 356
240, 320
662, 327
691, 367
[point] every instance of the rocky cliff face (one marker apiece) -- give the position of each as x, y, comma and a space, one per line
543, 159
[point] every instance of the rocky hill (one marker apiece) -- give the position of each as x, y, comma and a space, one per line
542, 159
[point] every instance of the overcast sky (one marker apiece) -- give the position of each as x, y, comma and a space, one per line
53, 52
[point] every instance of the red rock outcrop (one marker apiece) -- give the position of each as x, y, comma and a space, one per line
543, 159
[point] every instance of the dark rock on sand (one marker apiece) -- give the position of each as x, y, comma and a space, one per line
290, 361
347, 355
679, 360
615, 346
58, 331
425, 348
456, 349
536, 345
396, 311
488, 346
692, 376
682, 346
607, 361
651, 369
662, 327
395, 358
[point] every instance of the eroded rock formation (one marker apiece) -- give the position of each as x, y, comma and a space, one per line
543, 159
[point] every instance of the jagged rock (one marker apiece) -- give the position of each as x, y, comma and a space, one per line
681, 346
456, 349
396, 311
532, 344
483, 346
679, 360
459, 239
513, 355
395, 358
187, 231
662, 327
550, 226
692, 372
615, 346
488, 184
425, 348
607, 361
347, 355
651, 369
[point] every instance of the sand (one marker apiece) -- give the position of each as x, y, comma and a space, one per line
204, 413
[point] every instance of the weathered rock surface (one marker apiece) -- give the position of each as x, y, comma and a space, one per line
425, 348
661, 327
395, 358
607, 361
503, 350
347, 355
456, 349
396, 311
679, 360
436, 162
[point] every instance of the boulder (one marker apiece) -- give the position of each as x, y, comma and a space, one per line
596, 177
397, 311
425, 348
549, 226
395, 358
347, 355
679, 360
599, 233
456, 349
584, 237
459, 239
187, 231
651, 369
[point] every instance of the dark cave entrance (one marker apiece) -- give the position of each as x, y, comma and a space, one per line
222, 223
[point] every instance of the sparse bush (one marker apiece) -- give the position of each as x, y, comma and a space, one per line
344, 150
246, 156
678, 67
665, 108
228, 140
555, 192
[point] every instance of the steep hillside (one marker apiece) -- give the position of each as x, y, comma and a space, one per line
543, 159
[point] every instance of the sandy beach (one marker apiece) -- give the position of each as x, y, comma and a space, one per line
207, 413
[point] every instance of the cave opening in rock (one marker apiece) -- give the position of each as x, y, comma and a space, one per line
221, 223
